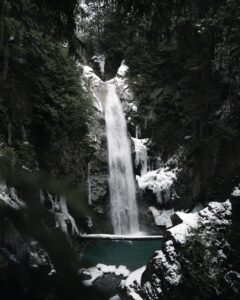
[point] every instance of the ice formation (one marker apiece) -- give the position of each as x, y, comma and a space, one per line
159, 182
141, 157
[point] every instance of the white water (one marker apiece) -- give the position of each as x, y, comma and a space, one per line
124, 211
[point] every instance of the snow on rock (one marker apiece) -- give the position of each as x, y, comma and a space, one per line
163, 273
162, 217
92, 274
141, 154
236, 192
100, 60
94, 83
159, 182
216, 213
122, 71
197, 208
9, 197
124, 92
92, 78
132, 285
38, 257
116, 297
164, 263
96, 272
180, 232
188, 218
118, 271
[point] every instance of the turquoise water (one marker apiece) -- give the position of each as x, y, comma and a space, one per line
132, 254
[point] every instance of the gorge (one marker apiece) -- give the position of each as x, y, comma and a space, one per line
119, 150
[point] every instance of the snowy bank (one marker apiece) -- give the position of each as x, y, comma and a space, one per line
100, 270
104, 236
162, 217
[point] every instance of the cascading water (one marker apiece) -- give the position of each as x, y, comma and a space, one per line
124, 211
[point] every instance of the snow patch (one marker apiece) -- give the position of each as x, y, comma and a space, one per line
94, 82
122, 71
101, 269
236, 192
116, 297
217, 213
162, 217
100, 59
181, 231
132, 284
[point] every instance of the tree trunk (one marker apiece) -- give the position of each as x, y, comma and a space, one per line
2, 5
9, 133
4, 45
6, 54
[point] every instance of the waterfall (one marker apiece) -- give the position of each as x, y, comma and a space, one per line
124, 211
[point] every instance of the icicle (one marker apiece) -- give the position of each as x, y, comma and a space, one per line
89, 185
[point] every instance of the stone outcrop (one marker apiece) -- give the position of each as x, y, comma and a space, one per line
164, 277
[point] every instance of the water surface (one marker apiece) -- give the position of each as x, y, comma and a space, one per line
132, 254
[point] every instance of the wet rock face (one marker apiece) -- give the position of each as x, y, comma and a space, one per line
98, 162
98, 179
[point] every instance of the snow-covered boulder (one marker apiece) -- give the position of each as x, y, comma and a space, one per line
163, 270
132, 285
164, 275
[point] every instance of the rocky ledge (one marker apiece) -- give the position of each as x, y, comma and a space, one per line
196, 252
